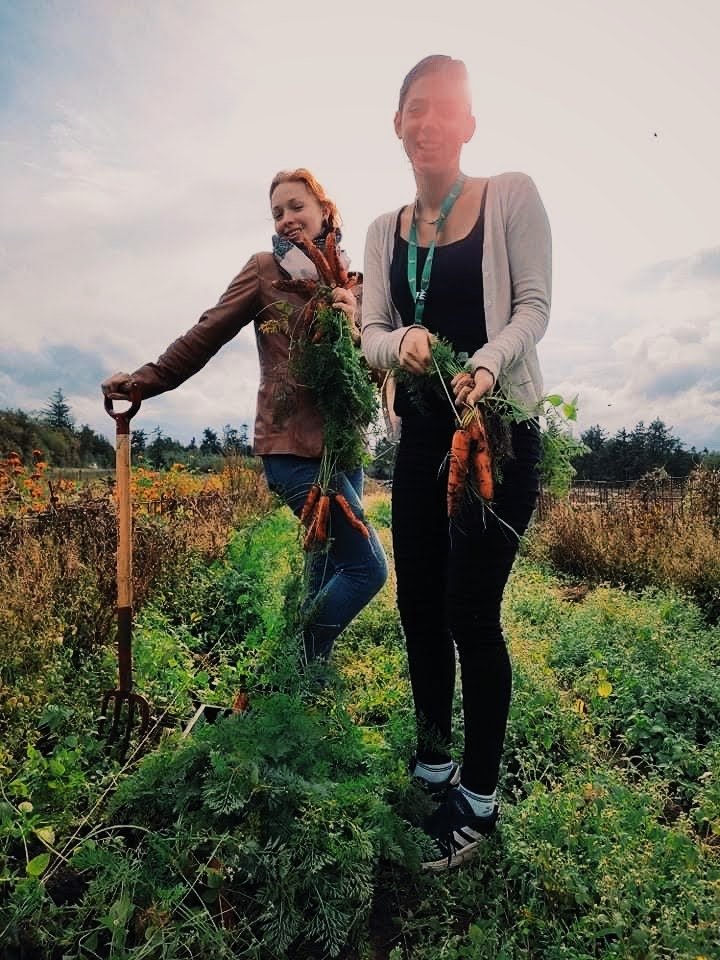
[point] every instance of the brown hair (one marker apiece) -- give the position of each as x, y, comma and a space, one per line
436, 63
301, 175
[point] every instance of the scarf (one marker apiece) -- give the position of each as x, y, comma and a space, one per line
296, 263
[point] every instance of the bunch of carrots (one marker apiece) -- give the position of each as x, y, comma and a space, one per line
470, 463
331, 274
319, 325
315, 516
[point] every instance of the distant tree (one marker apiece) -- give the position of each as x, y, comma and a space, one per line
63, 447
93, 449
595, 438
210, 444
667, 451
57, 412
21, 434
629, 455
138, 443
383, 463
592, 465
163, 451
192, 446
231, 444
235, 442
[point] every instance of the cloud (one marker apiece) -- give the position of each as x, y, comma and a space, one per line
136, 147
701, 268
649, 350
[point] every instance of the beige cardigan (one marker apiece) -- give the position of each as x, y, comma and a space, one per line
516, 268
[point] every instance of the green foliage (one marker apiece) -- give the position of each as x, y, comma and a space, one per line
433, 382
335, 372
647, 671
560, 448
57, 412
60, 444
629, 455
379, 513
285, 831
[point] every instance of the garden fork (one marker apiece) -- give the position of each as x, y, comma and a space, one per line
124, 692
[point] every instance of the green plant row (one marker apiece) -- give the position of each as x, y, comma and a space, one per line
290, 830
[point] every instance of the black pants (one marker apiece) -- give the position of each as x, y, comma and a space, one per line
450, 583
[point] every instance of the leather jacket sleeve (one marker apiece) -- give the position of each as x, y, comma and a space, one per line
237, 307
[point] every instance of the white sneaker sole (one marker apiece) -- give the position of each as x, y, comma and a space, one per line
462, 856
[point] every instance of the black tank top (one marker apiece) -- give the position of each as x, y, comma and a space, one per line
454, 305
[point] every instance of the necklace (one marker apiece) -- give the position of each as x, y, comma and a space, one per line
419, 219
445, 208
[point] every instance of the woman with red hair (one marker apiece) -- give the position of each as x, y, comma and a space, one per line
289, 432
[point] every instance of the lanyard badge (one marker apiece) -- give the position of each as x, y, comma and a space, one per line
419, 296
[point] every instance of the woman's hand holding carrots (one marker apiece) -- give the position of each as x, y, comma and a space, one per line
483, 381
415, 354
469, 388
345, 300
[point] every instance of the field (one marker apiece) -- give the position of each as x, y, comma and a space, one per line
289, 829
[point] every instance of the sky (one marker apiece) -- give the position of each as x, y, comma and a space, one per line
138, 141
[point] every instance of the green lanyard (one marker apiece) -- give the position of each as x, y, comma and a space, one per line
420, 295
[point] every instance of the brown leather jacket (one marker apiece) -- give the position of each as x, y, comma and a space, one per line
286, 419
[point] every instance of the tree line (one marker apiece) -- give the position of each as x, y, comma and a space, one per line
54, 433
627, 455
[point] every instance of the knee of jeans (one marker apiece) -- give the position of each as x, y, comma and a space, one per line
375, 574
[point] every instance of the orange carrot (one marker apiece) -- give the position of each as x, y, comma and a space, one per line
241, 702
458, 469
354, 521
477, 428
338, 271
296, 286
481, 458
482, 473
323, 512
318, 258
310, 501
318, 530
311, 531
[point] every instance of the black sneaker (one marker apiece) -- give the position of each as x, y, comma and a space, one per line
436, 791
456, 832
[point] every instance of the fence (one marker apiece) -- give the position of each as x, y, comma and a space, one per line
677, 496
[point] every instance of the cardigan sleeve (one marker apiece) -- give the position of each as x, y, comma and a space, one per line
236, 308
381, 324
528, 263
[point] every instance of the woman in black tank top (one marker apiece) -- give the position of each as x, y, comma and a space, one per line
450, 576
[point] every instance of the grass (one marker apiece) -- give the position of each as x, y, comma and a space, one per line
291, 830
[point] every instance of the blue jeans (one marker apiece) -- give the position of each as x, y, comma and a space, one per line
346, 576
